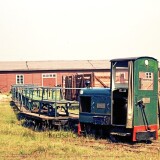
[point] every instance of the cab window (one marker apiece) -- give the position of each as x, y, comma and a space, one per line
146, 81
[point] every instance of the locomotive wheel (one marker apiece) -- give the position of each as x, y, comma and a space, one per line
113, 138
89, 130
119, 135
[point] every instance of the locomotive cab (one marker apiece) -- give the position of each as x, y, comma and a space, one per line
119, 92
134, 96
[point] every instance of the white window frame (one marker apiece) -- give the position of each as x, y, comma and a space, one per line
20, 78
49, 75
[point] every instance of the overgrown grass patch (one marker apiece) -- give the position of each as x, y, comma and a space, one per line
18, 142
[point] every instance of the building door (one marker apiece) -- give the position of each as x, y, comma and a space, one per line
49, 80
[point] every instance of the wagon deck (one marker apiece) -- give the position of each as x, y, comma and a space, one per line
44, 117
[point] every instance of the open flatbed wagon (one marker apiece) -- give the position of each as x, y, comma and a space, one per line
44, 108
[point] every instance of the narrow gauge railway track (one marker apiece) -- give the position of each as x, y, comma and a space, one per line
153, 147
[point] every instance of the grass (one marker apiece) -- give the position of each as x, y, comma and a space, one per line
19, 143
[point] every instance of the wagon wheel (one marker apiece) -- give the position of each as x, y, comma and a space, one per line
65, 127
69, 126
44, 126
38, 126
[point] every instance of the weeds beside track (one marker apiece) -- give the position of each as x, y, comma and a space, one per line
18, 142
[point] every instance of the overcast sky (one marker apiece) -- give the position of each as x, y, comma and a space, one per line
79, 29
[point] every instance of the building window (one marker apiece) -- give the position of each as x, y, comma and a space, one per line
20, 79
49, 75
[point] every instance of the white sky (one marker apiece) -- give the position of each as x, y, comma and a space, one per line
79, 29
